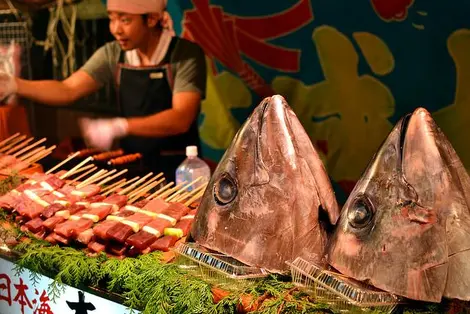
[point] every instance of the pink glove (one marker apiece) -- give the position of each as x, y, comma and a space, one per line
100, 133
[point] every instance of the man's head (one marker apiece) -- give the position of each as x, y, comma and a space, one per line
132, 21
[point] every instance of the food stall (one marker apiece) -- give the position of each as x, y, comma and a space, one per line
74, 266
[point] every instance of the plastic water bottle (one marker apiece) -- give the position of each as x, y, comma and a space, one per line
192, 168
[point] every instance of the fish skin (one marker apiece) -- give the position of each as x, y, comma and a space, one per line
281, 185
416, 242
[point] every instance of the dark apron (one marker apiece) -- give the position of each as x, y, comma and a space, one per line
144, 91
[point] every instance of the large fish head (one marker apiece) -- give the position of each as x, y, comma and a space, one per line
262, 203
405, 226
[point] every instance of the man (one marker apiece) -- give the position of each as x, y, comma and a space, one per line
160, 80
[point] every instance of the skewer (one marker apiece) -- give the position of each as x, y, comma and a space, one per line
120, 186
97, 178
130, 187
40, 156
113, 177
165, 194
13, 143
191, 193
17, 147
144, 190
144, 187
31, 153
186, 195
154, 195
68, 173
5, 141
183, 189
194, 198
132, 193
82, 169
104, 175
113, 187
92, 177
182, 197
153, 179
62, 163
83, 175
24, 150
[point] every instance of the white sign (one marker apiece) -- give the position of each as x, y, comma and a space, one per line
18, 294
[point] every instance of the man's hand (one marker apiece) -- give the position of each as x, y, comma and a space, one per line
7, 86
100, 133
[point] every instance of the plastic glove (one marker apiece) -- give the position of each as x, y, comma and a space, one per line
7, 86
100, 133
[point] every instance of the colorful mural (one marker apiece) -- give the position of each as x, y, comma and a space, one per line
349, 69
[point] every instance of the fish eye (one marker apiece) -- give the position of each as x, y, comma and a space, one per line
225, 190
360, 213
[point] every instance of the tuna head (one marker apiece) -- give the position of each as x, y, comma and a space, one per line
405, 227
262, 203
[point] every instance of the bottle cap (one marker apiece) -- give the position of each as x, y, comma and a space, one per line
191, 151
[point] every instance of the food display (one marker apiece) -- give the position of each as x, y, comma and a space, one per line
268, 220
88, 213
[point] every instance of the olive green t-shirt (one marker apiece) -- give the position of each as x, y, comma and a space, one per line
187, 60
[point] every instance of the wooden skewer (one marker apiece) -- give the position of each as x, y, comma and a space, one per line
112, 177
69, 173
24, 150
97, 178
113, 187
131, 193
62, 163
82, 169
163, 189
165, 194
194, 198
183, 189
189, 194
182, 197
144, 190
5, 141
13, 143
41, 155
33, 156
145, 187
120, 186
130, 187
83, 175
149, 181
106, 174
31, 153
20, 146
92, 177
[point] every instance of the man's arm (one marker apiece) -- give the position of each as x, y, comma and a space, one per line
57, 93
169, 122
96, 72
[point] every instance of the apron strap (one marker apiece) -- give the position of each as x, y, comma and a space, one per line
169, 74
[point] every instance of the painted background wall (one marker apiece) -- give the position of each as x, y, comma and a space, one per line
349, 69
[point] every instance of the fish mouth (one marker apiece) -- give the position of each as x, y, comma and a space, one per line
403, 132
273, 109
408, 135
